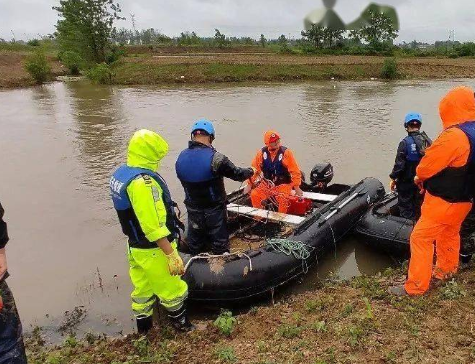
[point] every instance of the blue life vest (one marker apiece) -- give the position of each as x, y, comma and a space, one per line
275, 170
413, 154
118, 184
194, 168
457, 184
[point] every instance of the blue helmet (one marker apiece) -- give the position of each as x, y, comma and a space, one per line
205, 125
413, 116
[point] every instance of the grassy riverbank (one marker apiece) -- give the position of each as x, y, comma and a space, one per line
213, 68
343, 322
198, 66
12, 60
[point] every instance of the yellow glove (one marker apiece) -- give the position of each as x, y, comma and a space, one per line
175, 264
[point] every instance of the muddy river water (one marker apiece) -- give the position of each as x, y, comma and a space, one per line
60, 143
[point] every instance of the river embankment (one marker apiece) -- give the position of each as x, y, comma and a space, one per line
199, 67
354, 321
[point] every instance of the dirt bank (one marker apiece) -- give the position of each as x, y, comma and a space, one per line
214, 67
13, 73
343, 322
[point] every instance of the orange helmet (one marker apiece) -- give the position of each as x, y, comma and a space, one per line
271, 137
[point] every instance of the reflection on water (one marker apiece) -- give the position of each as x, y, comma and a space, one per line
61, 142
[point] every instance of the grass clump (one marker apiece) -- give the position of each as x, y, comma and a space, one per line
226, 354
319, 326
38, 67
452, 291
290, 331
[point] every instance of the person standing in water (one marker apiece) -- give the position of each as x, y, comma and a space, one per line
409, 153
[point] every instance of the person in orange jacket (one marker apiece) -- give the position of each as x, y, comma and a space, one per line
280, 170
446, 173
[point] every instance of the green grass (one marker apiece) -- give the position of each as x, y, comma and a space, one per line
139, 73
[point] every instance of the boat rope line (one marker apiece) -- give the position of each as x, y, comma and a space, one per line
207, 256
297, 249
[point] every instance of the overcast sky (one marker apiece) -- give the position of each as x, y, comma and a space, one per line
424, 20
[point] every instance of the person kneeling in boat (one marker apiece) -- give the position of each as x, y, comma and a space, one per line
409, 153
201, 170
280, 171
146, 213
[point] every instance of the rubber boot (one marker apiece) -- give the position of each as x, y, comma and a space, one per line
144, 324
465, 258
179, 320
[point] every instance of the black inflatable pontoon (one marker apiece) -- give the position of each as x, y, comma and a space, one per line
256, 271
383, 228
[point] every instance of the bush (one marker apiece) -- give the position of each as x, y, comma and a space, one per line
115, 54
38, 67
34, 43
72, 61
100, 73
390, 69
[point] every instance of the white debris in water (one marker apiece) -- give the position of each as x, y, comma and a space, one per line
182, 77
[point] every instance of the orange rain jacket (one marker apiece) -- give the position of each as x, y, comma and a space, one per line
283, 191
451, 149
288, 161
441, 220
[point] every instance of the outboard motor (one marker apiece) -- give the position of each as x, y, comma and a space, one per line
321, 175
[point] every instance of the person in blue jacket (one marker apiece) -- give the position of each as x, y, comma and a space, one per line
201, 170
409, 153
12, 349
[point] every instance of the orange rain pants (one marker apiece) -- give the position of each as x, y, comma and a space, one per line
441, 220
280, 193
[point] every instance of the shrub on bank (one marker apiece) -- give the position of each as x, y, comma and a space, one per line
73, 62
34, 43
390, 69
100, 73
38, 67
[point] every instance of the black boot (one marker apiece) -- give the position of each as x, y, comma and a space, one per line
144, 324
179, 320
465, 258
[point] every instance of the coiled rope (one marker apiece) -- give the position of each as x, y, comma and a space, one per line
297, 249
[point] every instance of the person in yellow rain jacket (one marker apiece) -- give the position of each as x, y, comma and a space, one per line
146, 213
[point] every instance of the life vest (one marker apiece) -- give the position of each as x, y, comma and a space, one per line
456, 184
203, 189
275, 170
128, 220
413, 151
415, 144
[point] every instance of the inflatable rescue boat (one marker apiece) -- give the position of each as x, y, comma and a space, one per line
383, 228
269, 249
